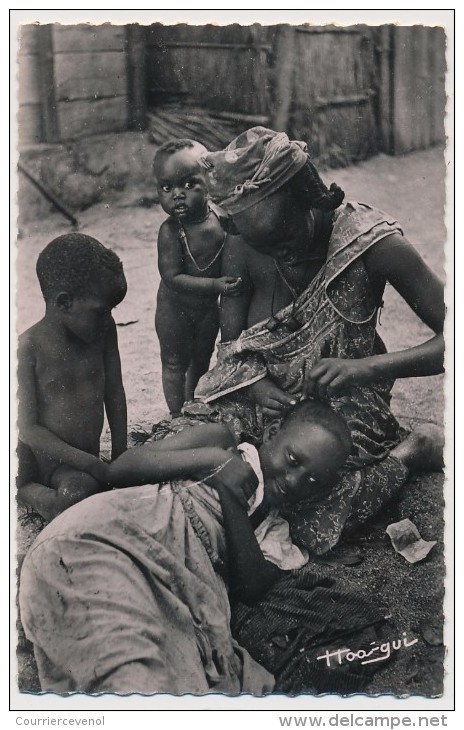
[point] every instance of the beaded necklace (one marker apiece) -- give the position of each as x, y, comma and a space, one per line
291, 321
184, 239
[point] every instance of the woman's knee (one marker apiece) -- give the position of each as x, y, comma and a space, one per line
74, 487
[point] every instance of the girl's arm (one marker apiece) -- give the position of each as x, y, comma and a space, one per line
170, 264
115, 397
250, 574
194, 453
394, 260
234, 310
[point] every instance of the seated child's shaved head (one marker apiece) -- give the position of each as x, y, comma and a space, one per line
81, 266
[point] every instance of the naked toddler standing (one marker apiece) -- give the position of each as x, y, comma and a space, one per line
190, 245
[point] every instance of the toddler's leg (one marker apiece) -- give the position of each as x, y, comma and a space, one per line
68, 486
206, 333
174, 330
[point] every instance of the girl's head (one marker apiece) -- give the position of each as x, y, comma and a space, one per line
262, 179
180, 179
301, 457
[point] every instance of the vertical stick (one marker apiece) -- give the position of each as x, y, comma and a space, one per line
136, 76
49, 113
283, 89
385, 90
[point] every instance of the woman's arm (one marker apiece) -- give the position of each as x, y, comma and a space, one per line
234, 310
170, 264
115, 397
394, 260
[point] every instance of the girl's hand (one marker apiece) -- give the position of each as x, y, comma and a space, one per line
235, 479
332, 374
229, 286
270, 397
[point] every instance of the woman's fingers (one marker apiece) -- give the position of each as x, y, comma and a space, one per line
282, 398
279, 404
272, 412
325, 379
336, 383
319, 369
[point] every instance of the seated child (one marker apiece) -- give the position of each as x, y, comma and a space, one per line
190, 244
149, 562
69, 371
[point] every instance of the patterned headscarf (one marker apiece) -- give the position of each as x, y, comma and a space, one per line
253, 166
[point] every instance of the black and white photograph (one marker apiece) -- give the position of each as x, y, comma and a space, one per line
232, 462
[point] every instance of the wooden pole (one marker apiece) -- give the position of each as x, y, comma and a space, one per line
385, 81
283, 84
136, 76
47, 193
49, 113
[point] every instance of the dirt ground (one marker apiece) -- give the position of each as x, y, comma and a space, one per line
410, 188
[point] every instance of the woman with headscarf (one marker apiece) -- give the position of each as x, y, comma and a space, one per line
314, 270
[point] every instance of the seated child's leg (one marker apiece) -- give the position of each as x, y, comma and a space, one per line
206, 333
174, 329
28, 469
42, 499
68, 486
73, 486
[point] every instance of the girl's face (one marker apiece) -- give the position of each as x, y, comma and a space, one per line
300, 460
268, 225
181, 185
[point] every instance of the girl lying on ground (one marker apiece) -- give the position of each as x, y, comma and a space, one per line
125, 591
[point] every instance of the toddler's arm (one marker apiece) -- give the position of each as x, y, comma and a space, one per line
39, 438
115, 397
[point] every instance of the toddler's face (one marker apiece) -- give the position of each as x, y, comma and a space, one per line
301, 460
181, 185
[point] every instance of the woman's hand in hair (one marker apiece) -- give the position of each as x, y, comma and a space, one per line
270, 397
332, 374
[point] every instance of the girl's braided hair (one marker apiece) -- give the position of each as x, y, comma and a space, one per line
311, 192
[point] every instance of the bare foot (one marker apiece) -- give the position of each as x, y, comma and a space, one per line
422, 450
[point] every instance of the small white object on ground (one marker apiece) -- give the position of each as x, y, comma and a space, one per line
407, 541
